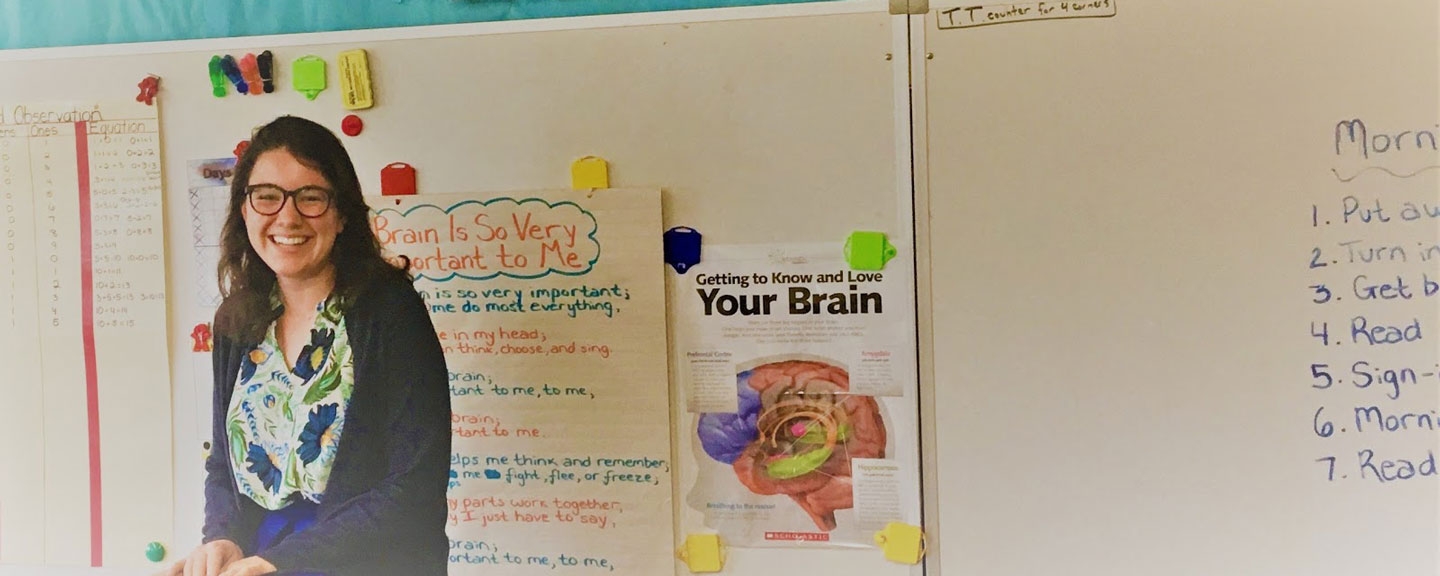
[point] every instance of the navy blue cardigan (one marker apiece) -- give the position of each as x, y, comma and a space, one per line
385, 508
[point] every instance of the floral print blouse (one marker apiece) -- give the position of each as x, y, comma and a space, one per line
285, 424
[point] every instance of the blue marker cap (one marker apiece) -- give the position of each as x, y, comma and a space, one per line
232, 70
682, 248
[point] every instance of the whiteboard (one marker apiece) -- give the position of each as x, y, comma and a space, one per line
730, 112
1120, 231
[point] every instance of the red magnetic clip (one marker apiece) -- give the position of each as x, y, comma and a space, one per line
148, 88
201, 336
397, 179
240, 148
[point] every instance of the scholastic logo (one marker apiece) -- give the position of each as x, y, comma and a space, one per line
798, 536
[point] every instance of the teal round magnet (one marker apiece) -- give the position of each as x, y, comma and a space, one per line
155, 552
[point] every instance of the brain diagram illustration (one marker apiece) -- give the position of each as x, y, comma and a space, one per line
795, 432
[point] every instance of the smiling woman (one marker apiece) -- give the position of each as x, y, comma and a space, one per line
328, 376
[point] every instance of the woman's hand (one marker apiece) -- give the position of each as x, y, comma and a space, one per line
252, 566
208, 559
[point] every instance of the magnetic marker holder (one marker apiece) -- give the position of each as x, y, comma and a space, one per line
682, 248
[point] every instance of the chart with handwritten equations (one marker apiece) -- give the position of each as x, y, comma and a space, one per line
85, 424
551, 311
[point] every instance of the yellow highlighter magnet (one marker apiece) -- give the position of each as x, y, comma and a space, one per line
355, 89
702, 553
901, 543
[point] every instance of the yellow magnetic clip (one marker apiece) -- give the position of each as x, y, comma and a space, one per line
355, 92
901, 543
590, 173
702, 553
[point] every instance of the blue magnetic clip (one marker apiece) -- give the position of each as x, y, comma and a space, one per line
682, 248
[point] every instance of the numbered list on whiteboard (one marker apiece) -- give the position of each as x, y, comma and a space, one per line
1374, 291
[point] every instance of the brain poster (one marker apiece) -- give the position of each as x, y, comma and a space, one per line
550, 307
797, 378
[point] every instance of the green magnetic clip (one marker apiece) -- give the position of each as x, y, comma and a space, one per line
217, 77
308, 73
868, 250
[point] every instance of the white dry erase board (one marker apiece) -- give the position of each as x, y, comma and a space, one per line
781, 127
1183, 265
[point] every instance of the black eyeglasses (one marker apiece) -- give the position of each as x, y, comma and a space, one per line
268, 199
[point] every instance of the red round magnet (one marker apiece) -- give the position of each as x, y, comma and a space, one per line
351, 125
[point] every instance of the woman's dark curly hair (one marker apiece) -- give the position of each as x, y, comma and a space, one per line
245, 280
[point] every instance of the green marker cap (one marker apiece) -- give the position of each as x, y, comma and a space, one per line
308, 73
217, 77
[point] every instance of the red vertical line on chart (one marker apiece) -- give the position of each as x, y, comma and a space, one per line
87, 329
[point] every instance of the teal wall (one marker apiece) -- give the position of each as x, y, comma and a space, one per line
46, 23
